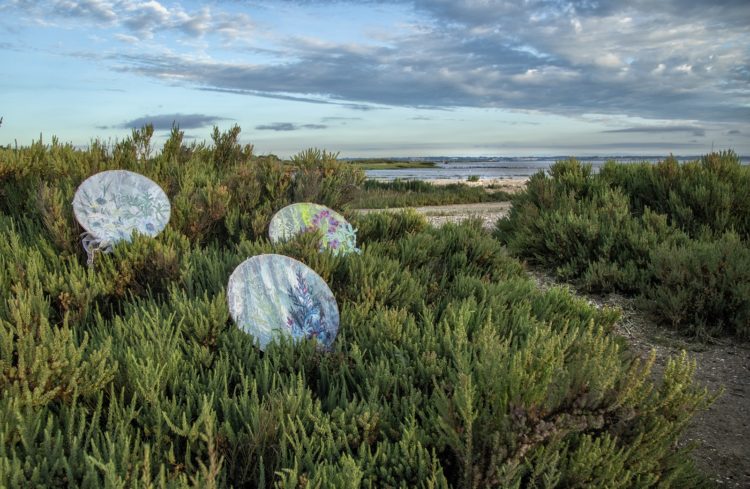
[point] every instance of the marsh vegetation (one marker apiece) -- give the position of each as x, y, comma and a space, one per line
451, 368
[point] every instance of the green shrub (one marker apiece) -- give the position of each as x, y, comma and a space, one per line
409, 193
583, 231
703, 286
217, 192
322, 179
389, 226
451, 369
708, 194
658, 230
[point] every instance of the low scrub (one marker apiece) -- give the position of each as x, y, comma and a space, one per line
218, 192
451, 369
704, 283
643, 229
409, 193
709, 194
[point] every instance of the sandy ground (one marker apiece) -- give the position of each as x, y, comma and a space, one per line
510, 185
489, 212
723, 431
438, 215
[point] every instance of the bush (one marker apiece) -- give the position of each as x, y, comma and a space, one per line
409, 193
707, 194
583, 230
659, 231
703, 286
217, 192
450, 369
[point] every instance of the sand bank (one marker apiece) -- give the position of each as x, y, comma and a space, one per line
511, 185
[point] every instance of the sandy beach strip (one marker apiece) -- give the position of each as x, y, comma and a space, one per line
437, 215
510, 185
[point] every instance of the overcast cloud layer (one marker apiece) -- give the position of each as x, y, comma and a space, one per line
681, 67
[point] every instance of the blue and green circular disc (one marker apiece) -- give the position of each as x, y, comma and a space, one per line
273, 295
338, 235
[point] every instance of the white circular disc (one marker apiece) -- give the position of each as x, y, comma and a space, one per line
274, 295
112, 204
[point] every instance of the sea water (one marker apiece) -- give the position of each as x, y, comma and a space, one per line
521, 167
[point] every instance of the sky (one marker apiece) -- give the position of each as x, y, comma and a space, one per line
384, 78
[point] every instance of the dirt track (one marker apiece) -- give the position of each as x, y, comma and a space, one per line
438, 215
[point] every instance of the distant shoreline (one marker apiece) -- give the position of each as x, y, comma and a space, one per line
510, 185
496, 168
388, 164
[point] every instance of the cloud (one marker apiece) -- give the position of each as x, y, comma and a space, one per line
164, 121
97, 10
696, 131
658, 60
332, 119
126, 38
288, 126
144, 18
282, 96
505, 57
666, 146
579, 148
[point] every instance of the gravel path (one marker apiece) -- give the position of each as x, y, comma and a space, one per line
437, 215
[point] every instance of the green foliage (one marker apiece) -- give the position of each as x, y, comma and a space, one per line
704, 283
322, 179
409, 193
708, 194
389, 226
217, 192
451, 369
386, 164
675, 234
472, 178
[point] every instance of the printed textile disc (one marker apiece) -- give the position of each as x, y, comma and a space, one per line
112, 204
274, 295
338, 235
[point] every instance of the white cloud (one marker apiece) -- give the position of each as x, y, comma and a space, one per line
609, 60
195, 25
563, 57
577, 27
145, 19
126, 38
547, 74
100, 10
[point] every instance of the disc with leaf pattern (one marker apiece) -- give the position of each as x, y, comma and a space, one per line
338, 235
274, 295
110, 205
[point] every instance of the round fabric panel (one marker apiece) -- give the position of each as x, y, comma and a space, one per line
274, 295
112, 204
338, 235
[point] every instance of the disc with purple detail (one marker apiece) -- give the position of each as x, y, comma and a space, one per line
271, 296
338, 235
